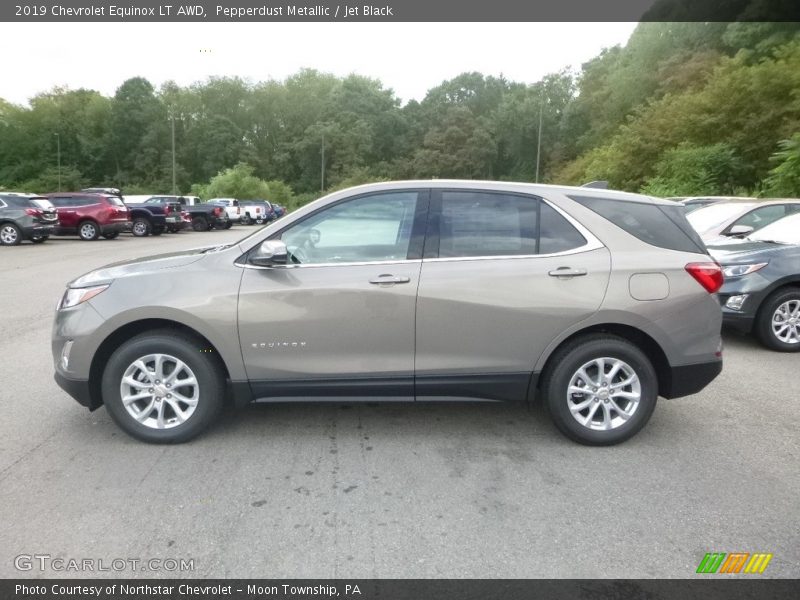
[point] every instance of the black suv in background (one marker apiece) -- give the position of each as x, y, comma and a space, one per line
25, 217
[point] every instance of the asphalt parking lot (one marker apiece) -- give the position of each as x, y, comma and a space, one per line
369, 490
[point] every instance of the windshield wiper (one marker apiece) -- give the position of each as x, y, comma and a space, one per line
216, 248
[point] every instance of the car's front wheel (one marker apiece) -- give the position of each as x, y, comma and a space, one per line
778, 321
600, 389
161, 387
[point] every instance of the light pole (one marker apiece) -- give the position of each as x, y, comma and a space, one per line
322, 165
58, 155
539, 141
172, 120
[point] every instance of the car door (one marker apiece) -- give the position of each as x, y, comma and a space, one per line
67, 215
338, 320
503, 274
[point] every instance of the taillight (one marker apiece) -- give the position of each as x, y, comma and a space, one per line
34, 212
217, 211
238, 210
707, 274
166, 210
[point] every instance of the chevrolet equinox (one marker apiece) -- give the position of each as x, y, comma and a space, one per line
596, 301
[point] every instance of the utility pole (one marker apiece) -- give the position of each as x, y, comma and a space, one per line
58, 155
539, 141
172, 119
322, 165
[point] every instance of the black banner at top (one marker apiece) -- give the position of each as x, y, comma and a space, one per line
397, 10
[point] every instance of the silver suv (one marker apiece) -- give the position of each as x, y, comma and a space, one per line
595, 301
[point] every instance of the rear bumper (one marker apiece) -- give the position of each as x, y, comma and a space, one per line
36, 230
117, 227
689, 379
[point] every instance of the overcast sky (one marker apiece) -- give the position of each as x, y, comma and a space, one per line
407, 57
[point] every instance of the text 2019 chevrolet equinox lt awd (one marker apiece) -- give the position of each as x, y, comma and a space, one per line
596, 301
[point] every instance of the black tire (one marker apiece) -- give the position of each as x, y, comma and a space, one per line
88, 231
229, 224
246, 220
40, 239
565, 364
767, 314
111, 236
200, 223
205, 367
141, 227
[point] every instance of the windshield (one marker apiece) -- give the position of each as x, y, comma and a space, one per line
709, 217
784, 231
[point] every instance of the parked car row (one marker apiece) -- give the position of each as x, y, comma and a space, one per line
103, 212
757, 243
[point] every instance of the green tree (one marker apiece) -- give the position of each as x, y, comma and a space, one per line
784, 178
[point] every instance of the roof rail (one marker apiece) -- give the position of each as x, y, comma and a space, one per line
600, 185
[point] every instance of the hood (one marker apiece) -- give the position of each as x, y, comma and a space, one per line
139, 266
745, 251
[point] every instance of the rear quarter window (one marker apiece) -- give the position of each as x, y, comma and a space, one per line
658, 225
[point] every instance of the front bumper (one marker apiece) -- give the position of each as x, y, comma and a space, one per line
78, 389
685, 380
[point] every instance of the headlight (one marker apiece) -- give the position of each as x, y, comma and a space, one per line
739, 270
74, 296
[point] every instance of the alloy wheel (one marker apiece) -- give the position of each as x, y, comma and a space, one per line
604, 393
159, 391
786, 322
9, 234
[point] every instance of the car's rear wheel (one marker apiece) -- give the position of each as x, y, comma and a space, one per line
600, 389
88, 231
112, 235
778, 321
200, 224
141, 227
246, 220
10, 234
159, 387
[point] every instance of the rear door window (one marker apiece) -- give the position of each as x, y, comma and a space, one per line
482, 223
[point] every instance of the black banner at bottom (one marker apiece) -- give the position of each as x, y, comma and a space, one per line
401, 589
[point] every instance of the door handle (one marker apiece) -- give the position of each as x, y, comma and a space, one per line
567, 272
389, 279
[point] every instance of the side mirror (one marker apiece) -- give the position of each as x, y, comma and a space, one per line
270, 253
740, 230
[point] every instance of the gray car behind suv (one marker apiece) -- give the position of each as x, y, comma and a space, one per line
596, 301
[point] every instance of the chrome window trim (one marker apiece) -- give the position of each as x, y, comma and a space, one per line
341, 264
3, 204
579, 250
